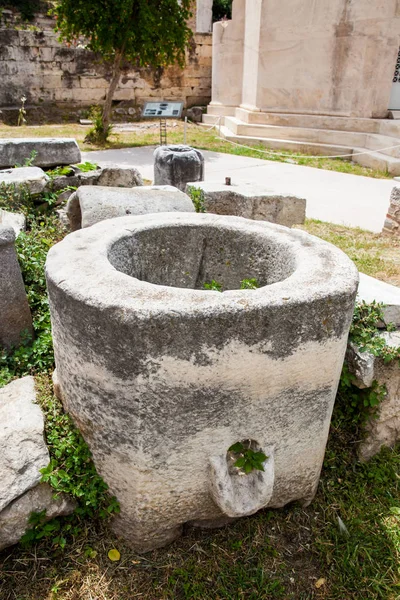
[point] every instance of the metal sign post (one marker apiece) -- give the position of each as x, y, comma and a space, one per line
163, 110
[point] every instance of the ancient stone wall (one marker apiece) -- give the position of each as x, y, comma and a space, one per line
58, 79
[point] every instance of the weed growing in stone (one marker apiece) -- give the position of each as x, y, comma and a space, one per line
249, 284
246, 458
87, 166
213, 285
71, 471
356, 404
28, 162
197, 197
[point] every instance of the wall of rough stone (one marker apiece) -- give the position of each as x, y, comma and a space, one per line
59, 81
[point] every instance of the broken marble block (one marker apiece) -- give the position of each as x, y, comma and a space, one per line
15, 220
371, 289
89, 205
382, 428
15, 314
251, 201
31, 179
163, 376
23, 452
50, 152
177, 165
119, 176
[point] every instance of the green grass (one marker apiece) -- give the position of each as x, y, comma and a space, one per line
373, 253
196, 136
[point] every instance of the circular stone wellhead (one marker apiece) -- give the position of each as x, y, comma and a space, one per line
164, 377
177, 165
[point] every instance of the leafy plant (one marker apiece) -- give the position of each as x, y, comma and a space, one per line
28, 162
249, 284
87, 166
27, 8
354, 404
36, 355
71, 471
99, 133
213, 285
60, 172
148, 33
198, 198
247, 459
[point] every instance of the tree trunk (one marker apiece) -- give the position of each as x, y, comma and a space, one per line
116, 72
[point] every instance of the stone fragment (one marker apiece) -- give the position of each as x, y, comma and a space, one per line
15, 315
32, 179
23, 451
177, 165
14, 519
15, 220
383, 428
371, 289
89, 205
120, 176
195, 113
392, 222
251, 201
51, 152
173, 375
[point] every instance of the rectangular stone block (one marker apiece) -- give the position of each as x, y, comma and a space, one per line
50, 151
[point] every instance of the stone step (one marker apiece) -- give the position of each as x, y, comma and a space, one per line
390, 145
374, 160
303, 147
353, 124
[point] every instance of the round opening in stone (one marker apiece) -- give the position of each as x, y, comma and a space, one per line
188, 256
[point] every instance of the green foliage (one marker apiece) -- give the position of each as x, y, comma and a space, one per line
213, 285
87, 166
59, 172
247, 459
99, 133
222, 9
37, 355
28, 162
151, 33
197, 197
71, 471
148, 33
354, 404
249, 284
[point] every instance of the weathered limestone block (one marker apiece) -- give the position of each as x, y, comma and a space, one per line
392, 221
195, 113
252, 201
120, 176
51, 152
23, 451
14, 519
15, 220
173, 375
382, 429
371, 289
89, 205
32, 179
15, 315
177, 165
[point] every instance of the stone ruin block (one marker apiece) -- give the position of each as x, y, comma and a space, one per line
162, 377
32, 179
23, 452
250, 201
89, 205
15, 315
392, 221
383, 427
51, 152
177, 165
